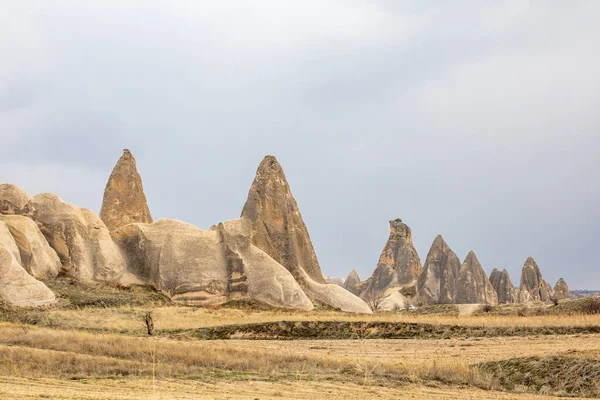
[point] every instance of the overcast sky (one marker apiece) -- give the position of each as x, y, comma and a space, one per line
479, 120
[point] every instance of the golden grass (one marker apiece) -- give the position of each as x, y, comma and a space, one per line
172, 319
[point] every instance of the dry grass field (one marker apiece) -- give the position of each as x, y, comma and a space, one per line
94, 345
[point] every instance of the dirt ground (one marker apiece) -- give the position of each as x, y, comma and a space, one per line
27, 389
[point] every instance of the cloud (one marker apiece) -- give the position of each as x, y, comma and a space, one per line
475, 120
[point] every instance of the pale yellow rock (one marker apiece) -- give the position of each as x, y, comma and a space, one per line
37, 257
19, 288
8, 241
79, 237
12, 199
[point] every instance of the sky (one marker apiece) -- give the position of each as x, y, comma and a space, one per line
478, 120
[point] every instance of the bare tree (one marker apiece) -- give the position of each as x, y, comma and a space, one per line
373, 300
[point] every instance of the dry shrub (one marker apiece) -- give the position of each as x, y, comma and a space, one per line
555, 375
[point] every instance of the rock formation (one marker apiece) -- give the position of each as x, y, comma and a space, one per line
351, 283
79, 237
503, 285
473, 285
437, 282
7, 240
398, 268
207, 267
561, 290
277, 225
277, 228
532, 287
36, 256
19, 288
124, 199
12, 199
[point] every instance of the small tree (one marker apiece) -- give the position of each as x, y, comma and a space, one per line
373, 300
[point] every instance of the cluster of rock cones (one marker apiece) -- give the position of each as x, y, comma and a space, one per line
266, 255
400, 281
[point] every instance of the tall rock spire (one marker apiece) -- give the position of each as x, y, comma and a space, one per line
277, 225
399, 263
473, 285
503, 285
351, 283
437, 282
532, 287
124, 199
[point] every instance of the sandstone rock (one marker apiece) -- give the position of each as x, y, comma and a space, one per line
399, 266
277, 226
37, 257
532, 287
12, 199
182, 261
19, 288
124, 199
473, 285
8, 241
79, 237
503, 285
437, 282
196, 266
351, 283
561, 290
267, 281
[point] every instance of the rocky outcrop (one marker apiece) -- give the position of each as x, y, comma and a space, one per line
399, 267
277, 228
79, 237
12, 199
473, 285
352, 282
503, 285
19, 288
561, 290
437, 282
195, 266
36, 255
532, 286
124, 199
7, 240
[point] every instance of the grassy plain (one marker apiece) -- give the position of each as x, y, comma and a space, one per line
94, 345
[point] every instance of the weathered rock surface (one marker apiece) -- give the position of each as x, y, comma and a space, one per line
268, 281
79, 237
561, 290
351, 283
473, 285
36, 255
124, 199
532, 287
277, 228
207, 267
19, 288
8, 241
399, 266
437, 282
12, 199
503, 285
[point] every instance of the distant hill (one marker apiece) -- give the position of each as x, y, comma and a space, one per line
585, 293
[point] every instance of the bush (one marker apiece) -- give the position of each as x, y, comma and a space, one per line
591, 305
